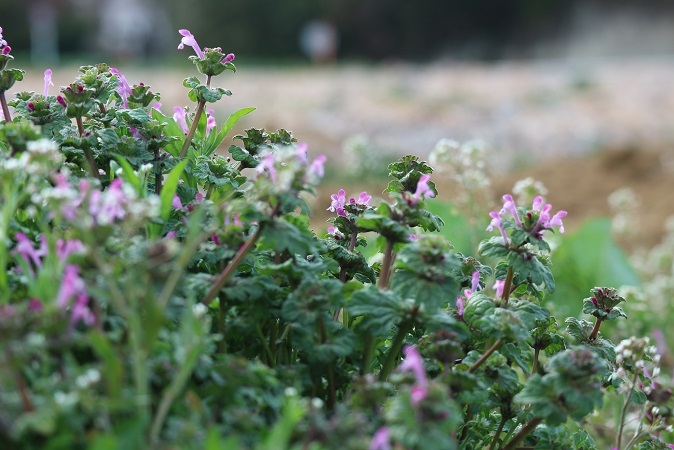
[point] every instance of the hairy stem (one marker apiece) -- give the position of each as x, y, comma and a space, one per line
507, 286
231, 267
625, 407
368, 353
526, 429
485, 355
195, 123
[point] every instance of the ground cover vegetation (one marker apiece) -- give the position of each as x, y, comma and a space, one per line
157, 294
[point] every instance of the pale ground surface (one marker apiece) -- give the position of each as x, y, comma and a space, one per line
546, 119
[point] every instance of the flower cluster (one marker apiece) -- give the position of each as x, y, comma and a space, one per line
4, 47
534, 221
415, 364
284, 165
338, 203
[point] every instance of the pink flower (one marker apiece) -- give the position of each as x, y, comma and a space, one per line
363, 199
317, 166
381, 440
229, 58
210, 121
81, 311
71, 286
413, 363
496, 221
123, 88
474, 286
267, 163
179, 116
509, 205
301, 153
2, 41
538, 201
176, 203
47, 81
67, 248
157, 106
338, 202
106, 207
498, 287
188, 39
28, 253
423, 190
545, 222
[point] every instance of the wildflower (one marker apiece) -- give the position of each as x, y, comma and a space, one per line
107, 206
81, 311
188, 39
498, 287
179, 115
2, 41
267, 163
381, 440
61, 100
338, 202
123, 88
229, 58
28, 253
317, 166
301, 153
67, 248
474, 286
413, 363
47, 82
496, 221
72, 286
157, 106
509, 205
210, 121
423, 190
363, 199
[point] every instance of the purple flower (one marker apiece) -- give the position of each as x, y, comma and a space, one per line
188, 39
123, 88
179, 116
413, 363
71, 286
509, 205
6, 49
2, 41
157, 106
28, 253
538, 201
301, 153
210, 121
47, 81
498, 287
106, 207
363, 199
496, 221
474, 286
267, 163
81, 311
317, 166
67, 248
546, 222
61, 100
423, 190
338, 202
229, 58
381, 440
176, 203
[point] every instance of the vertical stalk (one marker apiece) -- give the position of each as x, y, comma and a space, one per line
222, 316
504, 419
87, 151
394, 351
507, 286
595, 330
331, 400
386, 264
195, 122
5, 107
623, 412
534, 369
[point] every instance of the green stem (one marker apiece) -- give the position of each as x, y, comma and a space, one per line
267, 350
534, 369
5, 107
195, 123
504, 419
368, 353
91, 162
526, 429
9, 201
386, 264
626, 405
394, 351
222, 317
209, 192
485, 355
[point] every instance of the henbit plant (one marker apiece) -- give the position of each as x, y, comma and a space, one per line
155, 294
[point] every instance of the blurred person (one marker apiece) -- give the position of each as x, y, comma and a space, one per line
43, 25
318, 41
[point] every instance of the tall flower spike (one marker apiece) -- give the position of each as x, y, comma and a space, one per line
188, 39
47, 82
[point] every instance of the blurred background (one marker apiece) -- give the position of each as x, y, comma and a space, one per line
573, 93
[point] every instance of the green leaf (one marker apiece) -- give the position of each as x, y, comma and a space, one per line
231, 121
169, 189
130, 175
585, 259
171, 129
380, 310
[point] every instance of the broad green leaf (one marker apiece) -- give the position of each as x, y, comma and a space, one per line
169, 189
